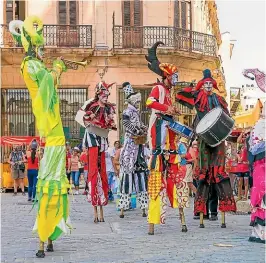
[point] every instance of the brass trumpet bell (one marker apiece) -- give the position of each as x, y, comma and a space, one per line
75, 64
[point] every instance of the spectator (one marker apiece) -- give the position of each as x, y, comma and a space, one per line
73, 168
182, 151
147, 152
33, 167
189, 171
194, 152
84, 160
232, 165
41, 153
80, 145
68, 156
109, 155
115, 157
17, 161
34, 144
243, 167
81, 166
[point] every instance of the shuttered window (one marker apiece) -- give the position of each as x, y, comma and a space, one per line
126, 13
67, 12
182, 14
15, 10
72, 13
62, 13
132, 13
137, 13
176, 16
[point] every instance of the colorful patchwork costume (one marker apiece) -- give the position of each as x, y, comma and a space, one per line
165, 179
53, 207
211, 160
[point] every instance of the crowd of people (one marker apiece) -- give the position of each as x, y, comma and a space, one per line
77, 166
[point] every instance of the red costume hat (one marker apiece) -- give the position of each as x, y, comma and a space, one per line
103, 88
168, 69
207, 77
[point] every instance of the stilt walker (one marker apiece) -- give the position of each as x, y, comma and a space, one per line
53, 207
211, 158
97, 115
256, 144
133, 166
165, 178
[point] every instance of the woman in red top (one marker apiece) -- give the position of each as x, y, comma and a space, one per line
242, 168
33, 167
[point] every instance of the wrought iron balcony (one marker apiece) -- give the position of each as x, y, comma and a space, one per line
134, 37
78, 36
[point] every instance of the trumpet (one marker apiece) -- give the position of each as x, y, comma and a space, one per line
75, 64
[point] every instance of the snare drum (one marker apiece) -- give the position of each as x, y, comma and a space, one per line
215, 127
177, 127
181, 129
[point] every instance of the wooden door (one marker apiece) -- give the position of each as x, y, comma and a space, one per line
68, 33
182, 24
132, 24
14, 10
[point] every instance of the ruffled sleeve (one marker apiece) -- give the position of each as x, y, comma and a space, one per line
186, 97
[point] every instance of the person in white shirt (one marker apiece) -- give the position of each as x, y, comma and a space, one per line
147, 152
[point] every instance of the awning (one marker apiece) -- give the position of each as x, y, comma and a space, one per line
18, 140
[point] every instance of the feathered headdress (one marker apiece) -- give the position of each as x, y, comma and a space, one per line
207, 76
161, 69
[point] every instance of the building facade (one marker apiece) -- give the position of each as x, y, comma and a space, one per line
250, 94
113, 36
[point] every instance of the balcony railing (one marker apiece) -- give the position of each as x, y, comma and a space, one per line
55, 36
176, 38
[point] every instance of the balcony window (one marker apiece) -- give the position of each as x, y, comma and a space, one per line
68, 17
132, 21
15, 10
182, 14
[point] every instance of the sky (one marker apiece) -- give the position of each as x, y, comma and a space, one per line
245, 20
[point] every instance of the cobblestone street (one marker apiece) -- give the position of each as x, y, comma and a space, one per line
126, 240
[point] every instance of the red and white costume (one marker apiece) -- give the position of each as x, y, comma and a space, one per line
94, 113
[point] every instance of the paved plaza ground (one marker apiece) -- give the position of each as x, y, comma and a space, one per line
125, 240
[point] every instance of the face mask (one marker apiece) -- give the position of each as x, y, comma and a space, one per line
135, 100
208, 86
174, 79
103, 98
40, 52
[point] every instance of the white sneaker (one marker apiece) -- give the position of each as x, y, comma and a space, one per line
77, 193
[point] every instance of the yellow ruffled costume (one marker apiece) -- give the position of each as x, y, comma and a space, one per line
53, 207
